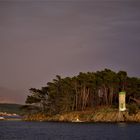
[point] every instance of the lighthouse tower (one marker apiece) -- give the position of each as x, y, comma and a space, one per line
122, 106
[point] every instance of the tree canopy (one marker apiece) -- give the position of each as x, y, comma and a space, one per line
86, 90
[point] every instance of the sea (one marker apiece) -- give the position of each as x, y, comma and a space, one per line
20, 130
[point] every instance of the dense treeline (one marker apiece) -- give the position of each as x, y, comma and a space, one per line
87, 90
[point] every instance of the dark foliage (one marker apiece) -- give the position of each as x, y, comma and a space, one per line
87, 90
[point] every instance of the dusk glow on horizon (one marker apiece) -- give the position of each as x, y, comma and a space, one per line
42, 39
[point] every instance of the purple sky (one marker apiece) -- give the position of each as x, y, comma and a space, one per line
39, 40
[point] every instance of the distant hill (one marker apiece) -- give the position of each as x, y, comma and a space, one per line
10, 108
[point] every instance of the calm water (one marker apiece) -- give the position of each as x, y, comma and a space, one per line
18, 130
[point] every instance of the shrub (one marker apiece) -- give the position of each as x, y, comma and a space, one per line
132, 109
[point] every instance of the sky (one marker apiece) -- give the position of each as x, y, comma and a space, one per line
40, 39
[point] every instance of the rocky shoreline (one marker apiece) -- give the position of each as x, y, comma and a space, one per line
101, 115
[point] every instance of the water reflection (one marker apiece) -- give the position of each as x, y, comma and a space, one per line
122, 124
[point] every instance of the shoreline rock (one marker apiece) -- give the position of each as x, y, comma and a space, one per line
87, 116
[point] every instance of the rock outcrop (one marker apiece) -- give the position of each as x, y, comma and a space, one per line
98, 115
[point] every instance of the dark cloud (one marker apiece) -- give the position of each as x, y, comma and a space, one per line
41, 39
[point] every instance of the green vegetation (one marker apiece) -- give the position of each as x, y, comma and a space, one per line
80, 93
10, 108
132, 109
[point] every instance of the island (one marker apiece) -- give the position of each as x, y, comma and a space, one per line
101, 96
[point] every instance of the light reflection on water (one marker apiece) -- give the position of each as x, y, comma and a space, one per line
19, 130
122, 124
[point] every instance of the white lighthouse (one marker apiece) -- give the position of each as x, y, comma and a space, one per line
122, 106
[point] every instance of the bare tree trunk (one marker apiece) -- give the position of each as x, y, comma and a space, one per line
86, 98
74, 103
83, 97
76, 97
111, 95
105, 95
